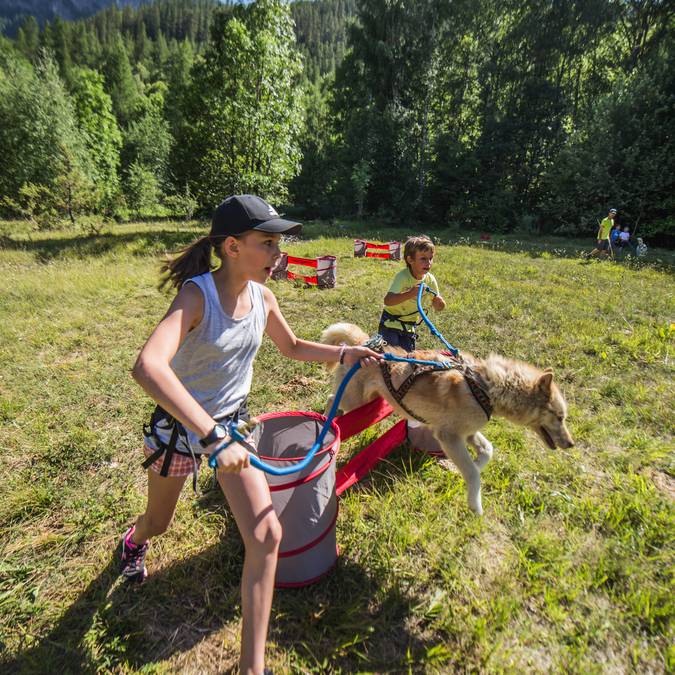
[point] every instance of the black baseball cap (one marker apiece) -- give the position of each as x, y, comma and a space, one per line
241, 213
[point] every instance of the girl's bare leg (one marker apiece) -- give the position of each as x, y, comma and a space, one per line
163, 493
249, 498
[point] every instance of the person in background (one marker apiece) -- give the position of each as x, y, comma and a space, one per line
603, 245
625, 240
614, 235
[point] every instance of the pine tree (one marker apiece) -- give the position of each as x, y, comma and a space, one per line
119, 80
28, 38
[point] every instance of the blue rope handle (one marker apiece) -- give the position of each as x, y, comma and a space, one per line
423, 287
236, 436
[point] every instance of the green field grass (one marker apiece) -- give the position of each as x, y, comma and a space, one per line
569, 570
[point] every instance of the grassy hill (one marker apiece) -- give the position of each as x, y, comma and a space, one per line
567, 571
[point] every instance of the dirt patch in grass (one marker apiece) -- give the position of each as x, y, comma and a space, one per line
665, 483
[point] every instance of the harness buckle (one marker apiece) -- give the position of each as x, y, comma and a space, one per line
377, 343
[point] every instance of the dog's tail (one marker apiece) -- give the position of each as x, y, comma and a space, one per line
342, 332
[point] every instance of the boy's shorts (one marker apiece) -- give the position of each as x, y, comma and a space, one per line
603, 244
398, 338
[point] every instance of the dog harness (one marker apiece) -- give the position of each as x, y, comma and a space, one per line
473, 380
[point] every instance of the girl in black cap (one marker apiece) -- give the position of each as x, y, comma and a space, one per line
197, 366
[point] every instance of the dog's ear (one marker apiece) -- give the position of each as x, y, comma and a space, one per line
544, 382
548, 370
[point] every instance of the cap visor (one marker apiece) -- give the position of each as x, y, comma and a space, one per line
279, 226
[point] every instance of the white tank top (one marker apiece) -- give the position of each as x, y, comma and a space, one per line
215, 360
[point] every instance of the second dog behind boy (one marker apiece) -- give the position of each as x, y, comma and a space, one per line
400, 317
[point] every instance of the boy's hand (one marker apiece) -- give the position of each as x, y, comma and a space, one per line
414, 291
357, 353
438, 303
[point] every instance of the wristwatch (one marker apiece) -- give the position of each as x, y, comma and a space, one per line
218, 433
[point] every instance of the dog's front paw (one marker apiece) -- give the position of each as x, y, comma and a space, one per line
475, 502
484, 450
484, 457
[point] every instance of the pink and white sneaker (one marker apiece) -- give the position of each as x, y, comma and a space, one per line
133, 558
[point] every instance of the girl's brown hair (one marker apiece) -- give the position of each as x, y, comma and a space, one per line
190, 261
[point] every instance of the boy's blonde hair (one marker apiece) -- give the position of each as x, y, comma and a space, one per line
414, 244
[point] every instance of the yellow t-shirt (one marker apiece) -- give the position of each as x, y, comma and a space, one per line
407, 310
606, 228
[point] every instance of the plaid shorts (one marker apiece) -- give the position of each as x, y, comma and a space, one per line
181, 465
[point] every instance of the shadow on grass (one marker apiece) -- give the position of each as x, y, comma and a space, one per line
145, 242
124, 622
532, 245
573, 249
348, 622
180, 605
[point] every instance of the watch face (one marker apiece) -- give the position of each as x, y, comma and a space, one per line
218, 433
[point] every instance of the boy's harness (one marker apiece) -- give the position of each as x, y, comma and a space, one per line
407, 326
473, 380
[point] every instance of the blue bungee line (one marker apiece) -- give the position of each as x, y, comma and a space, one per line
423, 287
236, 429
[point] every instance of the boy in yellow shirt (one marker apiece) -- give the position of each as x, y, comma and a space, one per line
400, 316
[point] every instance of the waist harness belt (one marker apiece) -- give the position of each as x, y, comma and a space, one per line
165, 421
386, 316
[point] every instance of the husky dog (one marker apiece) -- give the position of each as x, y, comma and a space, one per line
517, 391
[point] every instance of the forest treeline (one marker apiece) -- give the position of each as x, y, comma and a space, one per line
519, 114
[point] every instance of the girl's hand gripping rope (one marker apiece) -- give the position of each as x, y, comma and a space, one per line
364, 355
229, 456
